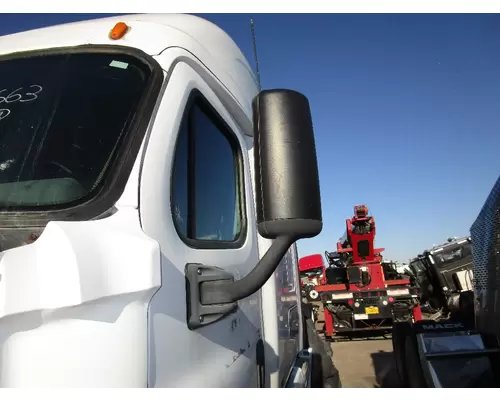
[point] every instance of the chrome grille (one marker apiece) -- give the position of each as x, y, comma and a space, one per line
485, 234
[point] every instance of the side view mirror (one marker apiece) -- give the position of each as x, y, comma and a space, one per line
286, 168
288, 203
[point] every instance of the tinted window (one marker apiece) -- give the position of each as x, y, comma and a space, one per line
336, 276
390, 271
417, 267
206, 203
363, 248
312, 272
62, 120
453, 255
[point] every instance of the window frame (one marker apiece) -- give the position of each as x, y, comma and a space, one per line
113, 183
196, 98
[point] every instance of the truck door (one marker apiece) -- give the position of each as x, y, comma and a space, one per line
289, 312
196, 201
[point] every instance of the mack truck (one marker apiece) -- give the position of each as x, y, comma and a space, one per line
365, 294
149, 189
460, 348
444, 275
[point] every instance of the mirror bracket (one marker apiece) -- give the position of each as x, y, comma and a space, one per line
212, 293
199, 314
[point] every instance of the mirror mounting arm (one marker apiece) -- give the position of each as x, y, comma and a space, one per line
228, 292
213, 293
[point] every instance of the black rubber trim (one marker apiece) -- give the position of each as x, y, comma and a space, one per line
400, 332
197, 98
261, 364
113, 183
414, 373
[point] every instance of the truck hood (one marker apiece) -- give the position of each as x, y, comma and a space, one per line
71, 263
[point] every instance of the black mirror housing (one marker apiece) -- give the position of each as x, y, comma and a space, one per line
286, 167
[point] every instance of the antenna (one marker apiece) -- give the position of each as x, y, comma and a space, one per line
255, 53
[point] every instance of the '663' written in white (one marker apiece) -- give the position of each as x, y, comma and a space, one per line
24, 94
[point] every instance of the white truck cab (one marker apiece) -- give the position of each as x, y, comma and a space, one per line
150, 201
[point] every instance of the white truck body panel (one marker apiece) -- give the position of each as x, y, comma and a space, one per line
102, 303
73, 306
226, 340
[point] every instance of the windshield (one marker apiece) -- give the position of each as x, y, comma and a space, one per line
311, 272
62, 120
417, 267
453, 256
389, 266
344, 238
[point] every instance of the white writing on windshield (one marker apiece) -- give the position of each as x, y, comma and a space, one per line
21, 95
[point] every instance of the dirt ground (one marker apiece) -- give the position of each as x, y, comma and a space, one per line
365, 363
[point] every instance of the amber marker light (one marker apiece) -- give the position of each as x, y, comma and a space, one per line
118, 31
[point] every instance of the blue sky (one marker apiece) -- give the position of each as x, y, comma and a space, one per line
405, 110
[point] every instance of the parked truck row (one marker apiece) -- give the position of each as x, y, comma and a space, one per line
359, 291
453, 283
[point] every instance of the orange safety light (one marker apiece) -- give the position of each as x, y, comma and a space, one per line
361, 211
118, 31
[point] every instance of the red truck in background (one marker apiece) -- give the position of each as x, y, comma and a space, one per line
312, 272
363, 293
